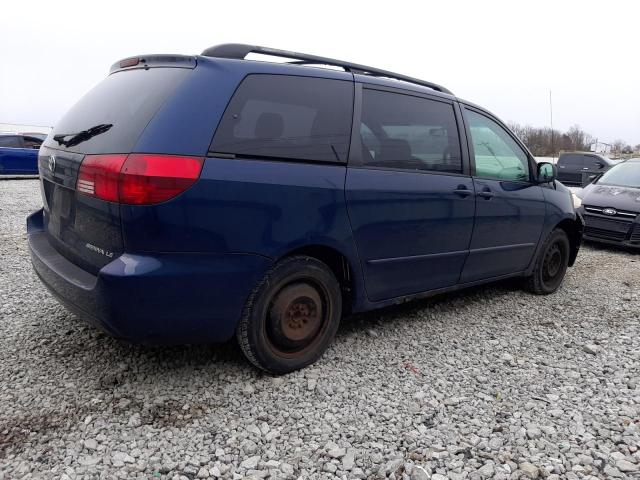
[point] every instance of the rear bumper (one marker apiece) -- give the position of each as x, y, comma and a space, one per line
175, 298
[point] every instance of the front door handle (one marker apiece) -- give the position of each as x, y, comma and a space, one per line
462, 191
586, 168
486, 193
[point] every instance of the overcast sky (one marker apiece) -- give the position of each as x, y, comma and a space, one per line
505, 56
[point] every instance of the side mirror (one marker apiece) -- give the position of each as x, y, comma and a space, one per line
600, 164
547, 172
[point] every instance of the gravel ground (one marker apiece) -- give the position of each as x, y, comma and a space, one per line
487, 383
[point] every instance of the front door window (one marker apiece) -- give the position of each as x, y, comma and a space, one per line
497, 155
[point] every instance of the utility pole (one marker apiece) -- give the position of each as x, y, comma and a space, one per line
553, 149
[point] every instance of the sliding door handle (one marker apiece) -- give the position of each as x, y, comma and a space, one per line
462, 191
486, 193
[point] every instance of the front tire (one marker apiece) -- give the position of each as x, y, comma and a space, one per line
291, 316
551, 264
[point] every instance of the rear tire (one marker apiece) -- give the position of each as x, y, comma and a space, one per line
291, 316
551, 264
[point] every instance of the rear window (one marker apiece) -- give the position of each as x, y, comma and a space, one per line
111, 117
281, 116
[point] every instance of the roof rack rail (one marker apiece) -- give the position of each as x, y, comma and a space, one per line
239, 51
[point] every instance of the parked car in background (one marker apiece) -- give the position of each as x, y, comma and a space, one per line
611, 206
579, 168
19, 154
288, 195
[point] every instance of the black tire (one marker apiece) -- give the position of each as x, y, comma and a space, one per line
551, 264
291, 316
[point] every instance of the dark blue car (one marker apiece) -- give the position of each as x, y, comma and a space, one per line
19, 154
193, 198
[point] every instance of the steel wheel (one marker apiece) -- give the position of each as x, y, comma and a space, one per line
291, 316
551, 265
554, 264
296, 318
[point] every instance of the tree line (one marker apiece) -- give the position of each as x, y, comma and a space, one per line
545, 142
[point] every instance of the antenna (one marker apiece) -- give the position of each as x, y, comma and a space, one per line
553, 149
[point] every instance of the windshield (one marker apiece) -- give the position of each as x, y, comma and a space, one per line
622, 175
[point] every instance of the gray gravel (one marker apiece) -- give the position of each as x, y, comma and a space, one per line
487, 383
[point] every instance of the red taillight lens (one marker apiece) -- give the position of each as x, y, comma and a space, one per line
148, 178
137, 179
99, 176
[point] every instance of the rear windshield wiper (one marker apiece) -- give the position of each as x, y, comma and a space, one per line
82, 136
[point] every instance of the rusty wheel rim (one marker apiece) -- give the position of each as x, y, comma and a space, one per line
553, 265
296, 318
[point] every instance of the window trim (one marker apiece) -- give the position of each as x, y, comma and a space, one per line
355, 148
214, 153
472, 158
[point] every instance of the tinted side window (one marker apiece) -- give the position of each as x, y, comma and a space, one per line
497, 155
288, 117
405, 132
593, 163
11, 142
32, 142
571, 160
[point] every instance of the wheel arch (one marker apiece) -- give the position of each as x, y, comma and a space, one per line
338, 263
573, 228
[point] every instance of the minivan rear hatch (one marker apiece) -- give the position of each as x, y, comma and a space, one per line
106, 121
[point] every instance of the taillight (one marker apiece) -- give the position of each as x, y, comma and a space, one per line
137, 179
99, 176
148, 178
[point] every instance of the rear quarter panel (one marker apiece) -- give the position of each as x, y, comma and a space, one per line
247, 206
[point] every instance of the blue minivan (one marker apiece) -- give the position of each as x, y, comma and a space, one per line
188, 199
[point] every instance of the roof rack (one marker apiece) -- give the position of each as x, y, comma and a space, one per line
239, 51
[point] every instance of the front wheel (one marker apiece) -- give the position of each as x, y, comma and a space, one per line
291, 316
551, 264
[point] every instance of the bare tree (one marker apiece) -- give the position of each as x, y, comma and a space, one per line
577, 138
617, 147
544, 142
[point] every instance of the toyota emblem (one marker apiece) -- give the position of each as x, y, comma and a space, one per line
52, 163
